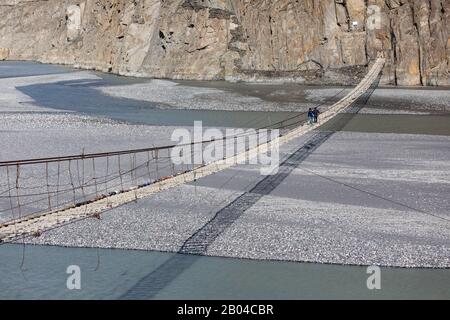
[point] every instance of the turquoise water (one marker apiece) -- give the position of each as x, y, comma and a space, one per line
109, 274
13, 69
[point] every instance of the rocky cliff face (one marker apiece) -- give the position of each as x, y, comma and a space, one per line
308, 40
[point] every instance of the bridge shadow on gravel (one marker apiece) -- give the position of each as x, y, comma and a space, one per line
197, 245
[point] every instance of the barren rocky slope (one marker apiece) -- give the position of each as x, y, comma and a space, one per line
308, 40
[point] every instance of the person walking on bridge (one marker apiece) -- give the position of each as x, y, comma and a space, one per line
316, 114
310, 116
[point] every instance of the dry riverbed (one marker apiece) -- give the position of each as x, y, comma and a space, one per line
374, 193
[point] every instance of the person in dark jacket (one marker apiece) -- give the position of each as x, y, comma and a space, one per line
310, 116
316, 114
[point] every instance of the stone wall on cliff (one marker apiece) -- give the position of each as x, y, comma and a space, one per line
308, 40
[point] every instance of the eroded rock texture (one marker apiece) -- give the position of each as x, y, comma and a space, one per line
308, 40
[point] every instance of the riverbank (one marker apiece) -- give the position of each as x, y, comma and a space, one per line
372, 193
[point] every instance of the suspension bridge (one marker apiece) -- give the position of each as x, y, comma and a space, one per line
37, 195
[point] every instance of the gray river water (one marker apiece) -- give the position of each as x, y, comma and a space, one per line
83, 97
38, 272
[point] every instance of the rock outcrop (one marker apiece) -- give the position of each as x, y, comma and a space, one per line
4, 53
308, 40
